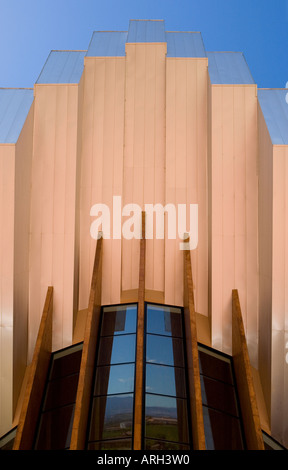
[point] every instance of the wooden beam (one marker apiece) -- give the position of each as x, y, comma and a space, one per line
196, 407
138, 408
244, 379
37, 378
86, 373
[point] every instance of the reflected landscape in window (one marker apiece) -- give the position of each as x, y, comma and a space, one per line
111, 424
166, 408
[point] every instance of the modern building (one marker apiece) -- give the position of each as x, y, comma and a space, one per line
116, 330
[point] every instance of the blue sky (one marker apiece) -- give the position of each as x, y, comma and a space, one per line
30, 29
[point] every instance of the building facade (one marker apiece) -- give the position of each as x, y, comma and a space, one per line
145, 123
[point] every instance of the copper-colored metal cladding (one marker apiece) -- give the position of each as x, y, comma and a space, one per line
244, 379
80, 420
138, 406
196, 408
37, 378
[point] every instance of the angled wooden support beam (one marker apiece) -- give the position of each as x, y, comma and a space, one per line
244, 379
84, 390
196, 407
37, 378
140, 344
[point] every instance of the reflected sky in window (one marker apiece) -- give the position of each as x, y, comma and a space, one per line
164, 350
114, 379
164, 321
117, 349
119, 320
165, 380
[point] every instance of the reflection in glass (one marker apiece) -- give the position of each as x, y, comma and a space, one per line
215, 367
112, 417
119, 320
222, 431
222, 423
164, 350
55, 429
153, 444
218, 395
164, 320
117, 444
165, 380
116, 349
166, 418
61, 392
114, 379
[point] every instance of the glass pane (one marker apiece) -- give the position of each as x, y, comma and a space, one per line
222, 432
214, 366
164, 350
164, 320
151, 444
166, 418
61, 392
66, 363
117, 444
165, 380
114, 379
119, 320
218, 395
112, 417
55, 429
116, 349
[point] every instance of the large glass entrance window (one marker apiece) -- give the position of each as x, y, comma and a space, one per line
111, 425
166, 407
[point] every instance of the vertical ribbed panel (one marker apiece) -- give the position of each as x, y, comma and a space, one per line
53, 208
186, 171
101, 168
144, 154
234, 211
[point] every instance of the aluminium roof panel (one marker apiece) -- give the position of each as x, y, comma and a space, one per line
274, 105
185, 44
107, 44
62, 67
228, 68
150, 31
14, 108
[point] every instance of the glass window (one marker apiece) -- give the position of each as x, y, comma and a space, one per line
153, 444
112, 417
166, 418
223, 430
116, 444
165, 380
166, 408
164, 350
119, 320
55, 429
116, 349
164, 320
114, 379
111, 421
219, 395
56, 416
